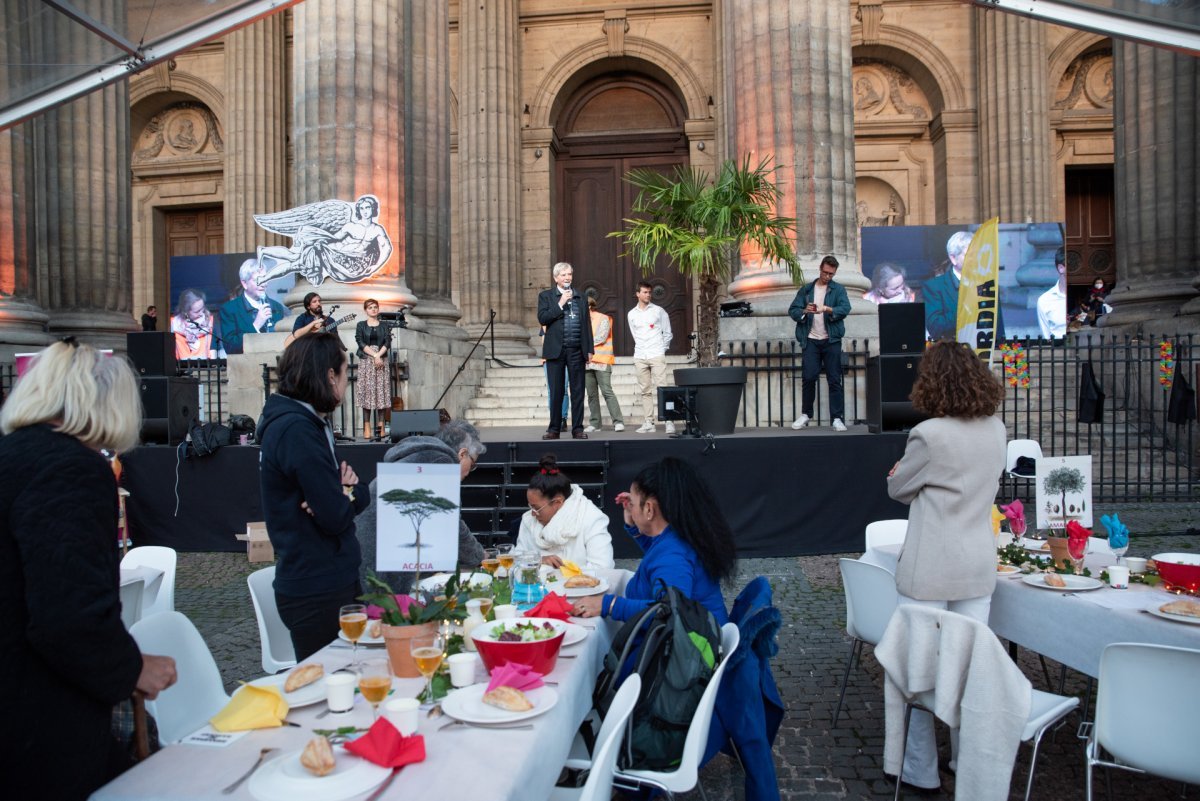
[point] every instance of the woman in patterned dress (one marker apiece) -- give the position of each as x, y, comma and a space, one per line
374, 383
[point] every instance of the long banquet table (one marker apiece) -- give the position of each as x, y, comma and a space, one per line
463, 762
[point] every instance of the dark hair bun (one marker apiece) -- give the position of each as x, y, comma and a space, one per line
548, 462
549, 479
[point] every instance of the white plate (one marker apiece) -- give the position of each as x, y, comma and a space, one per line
1195, 621
439, 580
579, 592
366, 639
575, 634
285, 779
1074, 583
467, 705
306, 695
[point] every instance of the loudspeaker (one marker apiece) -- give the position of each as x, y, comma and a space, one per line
901, 329
152, 352
171, 405
420, 421
889, 383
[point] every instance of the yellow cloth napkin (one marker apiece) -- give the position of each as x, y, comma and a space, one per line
252, 708
570, 570
997, 519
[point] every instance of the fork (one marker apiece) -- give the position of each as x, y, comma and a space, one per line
482, 726
262, 755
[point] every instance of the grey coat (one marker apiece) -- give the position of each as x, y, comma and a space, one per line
949, 476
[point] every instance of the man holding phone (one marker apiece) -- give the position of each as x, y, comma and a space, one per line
567, 344
820, 309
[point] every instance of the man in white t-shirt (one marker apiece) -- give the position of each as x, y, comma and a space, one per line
1052, 304
820, 311
651, 330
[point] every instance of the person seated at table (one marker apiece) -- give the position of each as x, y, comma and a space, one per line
67, 658
562, 524
949, 476
686, 541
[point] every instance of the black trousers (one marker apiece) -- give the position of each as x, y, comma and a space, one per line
575, 364
313, 619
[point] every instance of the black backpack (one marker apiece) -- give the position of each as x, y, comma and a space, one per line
674, 645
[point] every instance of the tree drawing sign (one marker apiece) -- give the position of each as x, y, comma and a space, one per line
1064, 491
417, 509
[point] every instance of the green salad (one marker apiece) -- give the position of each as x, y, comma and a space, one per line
523, 632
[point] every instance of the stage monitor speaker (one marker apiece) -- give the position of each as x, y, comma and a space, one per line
171, 404
419, 421
889, 383
901, 329
152, 352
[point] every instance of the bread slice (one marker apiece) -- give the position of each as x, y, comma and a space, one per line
1185, 608
318, 757
508, 698
302, 677
581, 581
1055, 580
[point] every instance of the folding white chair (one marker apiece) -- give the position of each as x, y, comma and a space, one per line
598, 786
871, 597
159, 558
1158, 738
885, 532
198, 694
277, 651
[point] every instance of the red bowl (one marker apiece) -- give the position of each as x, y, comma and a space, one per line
1179, 571
541, 655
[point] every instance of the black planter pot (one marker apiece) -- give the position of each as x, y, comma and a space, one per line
718, 395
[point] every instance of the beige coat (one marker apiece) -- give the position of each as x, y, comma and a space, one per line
949, 476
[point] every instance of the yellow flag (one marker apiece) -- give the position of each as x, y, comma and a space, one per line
979, 291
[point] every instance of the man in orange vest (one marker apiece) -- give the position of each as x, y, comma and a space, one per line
599, 370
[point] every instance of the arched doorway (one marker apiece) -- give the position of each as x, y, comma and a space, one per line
609, 125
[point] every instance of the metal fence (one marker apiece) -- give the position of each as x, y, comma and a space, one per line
348, 417
214, 381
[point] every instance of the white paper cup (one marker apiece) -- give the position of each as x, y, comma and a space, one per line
339, 691
1118, 577
402, 713
1136, 564
504, 611
462, 669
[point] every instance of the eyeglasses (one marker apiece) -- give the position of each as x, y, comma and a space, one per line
544, 505
474, 459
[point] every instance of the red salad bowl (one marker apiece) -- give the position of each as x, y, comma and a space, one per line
541, 655
1179, 571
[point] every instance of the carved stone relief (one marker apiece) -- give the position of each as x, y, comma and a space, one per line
884, 90
1087, 83
878, 203
180, 131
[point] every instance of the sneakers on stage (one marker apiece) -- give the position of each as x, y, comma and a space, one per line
618, 426
801, 422
590, 429
838, 425
669, 427
647, 428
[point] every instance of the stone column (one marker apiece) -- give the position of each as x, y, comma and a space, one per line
255, 132
427, 188
1155, 120
489, 147
789, 95
1015, 162
348, 88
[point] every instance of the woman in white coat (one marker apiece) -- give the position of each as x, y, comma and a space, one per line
562, 524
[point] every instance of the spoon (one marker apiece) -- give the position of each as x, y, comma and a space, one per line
435, 711
262, 755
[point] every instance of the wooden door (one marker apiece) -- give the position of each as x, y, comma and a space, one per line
1090, 228
198, 232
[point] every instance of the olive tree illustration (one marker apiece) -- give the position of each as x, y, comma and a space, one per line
1062, 480
418, 506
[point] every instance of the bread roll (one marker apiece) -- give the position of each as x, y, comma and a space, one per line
375, 629
302, 677
1185, 608
318, 757
1055, 580
508, 698
581, 581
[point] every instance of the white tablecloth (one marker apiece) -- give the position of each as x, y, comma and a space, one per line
1073, 628
470, 764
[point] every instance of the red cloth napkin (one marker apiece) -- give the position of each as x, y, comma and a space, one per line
553, 605
1076, 531
384, 745
519, 677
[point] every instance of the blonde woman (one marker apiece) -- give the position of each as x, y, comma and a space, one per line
65, 649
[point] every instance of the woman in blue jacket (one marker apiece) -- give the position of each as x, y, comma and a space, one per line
670, 513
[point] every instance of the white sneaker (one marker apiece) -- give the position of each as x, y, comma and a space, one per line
618, 427
838, 425
669, 427
647, 428
589, 429
801, 422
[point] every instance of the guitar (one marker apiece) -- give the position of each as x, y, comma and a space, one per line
292, 336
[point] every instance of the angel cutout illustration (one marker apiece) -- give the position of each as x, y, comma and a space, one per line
330, 239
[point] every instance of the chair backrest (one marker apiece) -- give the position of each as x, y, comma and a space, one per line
1022, 447
1156, 730
159, 558
277, 651
871, 598
608, 742
131, 601
198, 694
886, 532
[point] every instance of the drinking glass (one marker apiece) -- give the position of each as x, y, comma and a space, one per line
507, 557
1119, 551
428, 652
1077, 548
353, 620
374, 681
491, 561
486, 596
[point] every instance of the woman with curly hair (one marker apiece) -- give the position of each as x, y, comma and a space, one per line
949, 476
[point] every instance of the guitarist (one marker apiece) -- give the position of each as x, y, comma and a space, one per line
312, 320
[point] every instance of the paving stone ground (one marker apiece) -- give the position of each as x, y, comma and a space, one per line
813, 759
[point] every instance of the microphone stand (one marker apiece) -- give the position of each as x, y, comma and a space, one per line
485, 332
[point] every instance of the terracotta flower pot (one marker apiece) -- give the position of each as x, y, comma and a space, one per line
1058, 550
397, 640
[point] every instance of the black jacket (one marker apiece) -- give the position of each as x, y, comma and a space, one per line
551, 316
314, 553
65, 657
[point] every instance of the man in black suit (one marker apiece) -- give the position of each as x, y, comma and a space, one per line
567, 343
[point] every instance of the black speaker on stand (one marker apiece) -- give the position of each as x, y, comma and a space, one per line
152, 352
170, 404
891, 374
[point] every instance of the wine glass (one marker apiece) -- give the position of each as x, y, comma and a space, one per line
486, 596
428, 652
353, 620
1077, 548
506, 557
491, 561
1119, 550
374, 681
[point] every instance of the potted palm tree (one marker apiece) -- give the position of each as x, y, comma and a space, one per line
699, 226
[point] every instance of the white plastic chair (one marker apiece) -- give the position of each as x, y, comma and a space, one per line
1157, 737
886, 532
159, 558
1017, 448
871, 598
686, 775
131, 601
598, 786
277, 651
198, 694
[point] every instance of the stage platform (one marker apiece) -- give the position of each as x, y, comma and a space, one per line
785, 493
